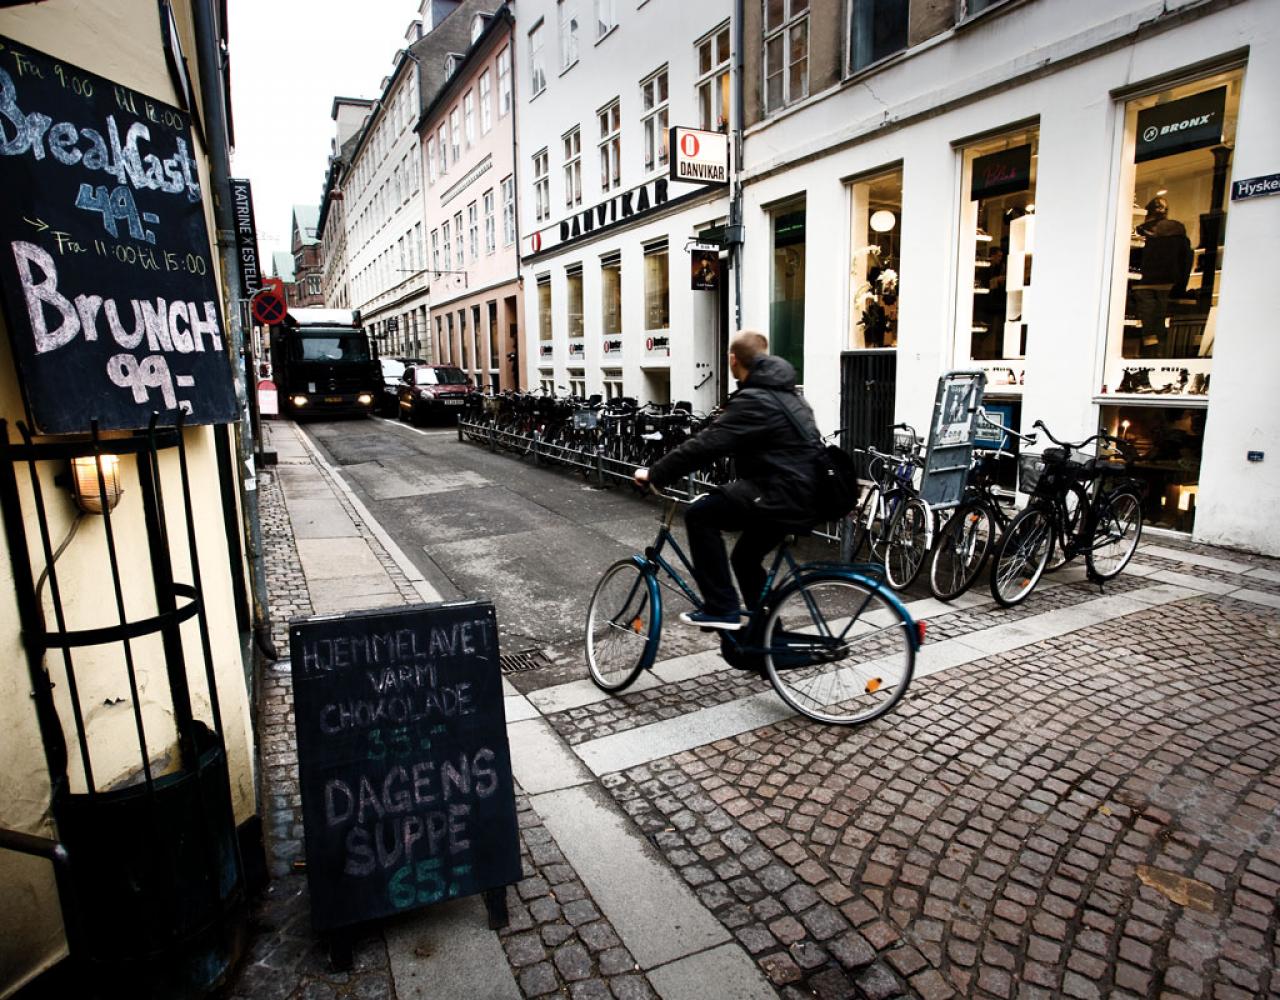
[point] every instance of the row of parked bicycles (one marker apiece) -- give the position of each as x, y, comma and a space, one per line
1080, 504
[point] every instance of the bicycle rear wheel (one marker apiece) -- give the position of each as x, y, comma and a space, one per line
846, 652
960, 551
1075, 502
623, 620
1021, 557
1116, 535
907, 543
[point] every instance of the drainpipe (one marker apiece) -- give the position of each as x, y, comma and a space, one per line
210, 59
736, 234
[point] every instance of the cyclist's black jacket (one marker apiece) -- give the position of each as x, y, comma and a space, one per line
775, 466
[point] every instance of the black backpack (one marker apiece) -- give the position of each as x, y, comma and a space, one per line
837, 490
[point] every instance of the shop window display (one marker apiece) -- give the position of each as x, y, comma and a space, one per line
786, 307
1175, 185
876, 228
997, 250
1164, 446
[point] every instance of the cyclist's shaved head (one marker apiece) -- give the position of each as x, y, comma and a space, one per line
748, 345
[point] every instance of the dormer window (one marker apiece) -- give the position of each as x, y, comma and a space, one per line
451, 66
477, 27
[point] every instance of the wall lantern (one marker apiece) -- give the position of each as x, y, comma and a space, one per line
85, 484
883, 221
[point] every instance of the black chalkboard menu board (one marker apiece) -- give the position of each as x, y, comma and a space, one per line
407, 795
106, 273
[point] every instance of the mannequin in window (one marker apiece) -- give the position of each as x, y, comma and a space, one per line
1166, 265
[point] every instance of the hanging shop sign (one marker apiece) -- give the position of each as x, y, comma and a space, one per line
1255, 187
704, 270
1190, 123
246, 236
106, 276
699, 156
620, 208
404, 766
1004, 172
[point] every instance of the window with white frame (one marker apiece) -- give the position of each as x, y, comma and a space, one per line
504, 82
610, 120
448, 246
786, 53
612, 382
657, 287
544, 308
442, 142
469, 116
404, 258
455, 135
541, 187
568, 14
537, 68
653, 105
435, 249
573, 168
713, 80
420, 261
606, 17
508, 211
461, 259
473, 228
490, 223
486, 102
573, 293
577, 383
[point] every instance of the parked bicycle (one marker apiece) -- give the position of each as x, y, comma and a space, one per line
844, 656
1062, 516
892, 520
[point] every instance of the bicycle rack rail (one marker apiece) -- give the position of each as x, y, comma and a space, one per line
603, 469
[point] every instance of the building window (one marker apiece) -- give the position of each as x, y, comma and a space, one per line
448, 247
504, 82
876, 233
568, 10
713, 80
657, 287
786, 53
786, 301
541, 187
610, 120
544, 309
1165, 445
653, 104
431, 160
486, 102
490, 224
508, 211
435, 249
461, 259
996, 247
577, 383
473, 228
414, 174
537, 71
442, 140
878, 28
606, 17
469, 116
419, 261
573, 168
573, 283
455, 135
612, 382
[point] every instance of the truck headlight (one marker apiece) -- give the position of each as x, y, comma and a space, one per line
364, 399
299, 400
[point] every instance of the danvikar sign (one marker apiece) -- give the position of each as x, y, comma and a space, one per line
106, 274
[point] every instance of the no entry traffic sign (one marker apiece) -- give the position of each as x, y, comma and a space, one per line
269, 307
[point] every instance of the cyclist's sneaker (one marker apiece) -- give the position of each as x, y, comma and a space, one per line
703, 619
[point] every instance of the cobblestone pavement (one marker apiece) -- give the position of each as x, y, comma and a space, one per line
1095, 815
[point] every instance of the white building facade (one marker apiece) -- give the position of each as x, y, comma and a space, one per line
1054, 193
606, 274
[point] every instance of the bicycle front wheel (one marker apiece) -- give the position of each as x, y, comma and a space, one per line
838, 649
1116, 535
1021, 557
908, 543
623, 620
1075, 502
960, 551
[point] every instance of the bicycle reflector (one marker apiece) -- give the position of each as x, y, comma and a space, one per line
637, 625
873, 685
921, 628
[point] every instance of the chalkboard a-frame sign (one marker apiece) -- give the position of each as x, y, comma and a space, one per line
407, 794
105, 269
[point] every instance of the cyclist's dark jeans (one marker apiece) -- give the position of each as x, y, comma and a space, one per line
705, 519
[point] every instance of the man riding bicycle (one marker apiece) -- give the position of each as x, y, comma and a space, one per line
773, 494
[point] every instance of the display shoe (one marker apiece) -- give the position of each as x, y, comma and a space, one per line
1199, 384
1136, 380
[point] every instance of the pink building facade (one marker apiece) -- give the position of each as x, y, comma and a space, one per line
468, 145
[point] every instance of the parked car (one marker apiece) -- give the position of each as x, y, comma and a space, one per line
389, 398
439, 391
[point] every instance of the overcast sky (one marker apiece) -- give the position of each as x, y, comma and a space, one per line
289, 59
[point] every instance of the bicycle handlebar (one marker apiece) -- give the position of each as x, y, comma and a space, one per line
1100, 436
1027, 438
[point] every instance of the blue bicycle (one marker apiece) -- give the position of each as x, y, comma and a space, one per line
836, 644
